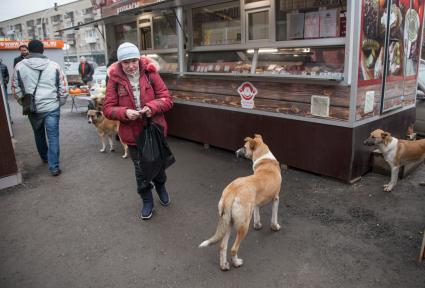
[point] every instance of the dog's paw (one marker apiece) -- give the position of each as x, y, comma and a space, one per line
258, 226
275, 227
102, 150
388, 187
237, 262
124, 156
225, 266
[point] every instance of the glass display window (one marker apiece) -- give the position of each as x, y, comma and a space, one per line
307, 19
168, 62
164, 31
258, 24
235, 62
217, 24
126, 33
321, 63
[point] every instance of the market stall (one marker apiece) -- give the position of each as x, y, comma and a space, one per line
313, 76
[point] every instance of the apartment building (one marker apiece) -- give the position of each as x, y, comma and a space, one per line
83, 41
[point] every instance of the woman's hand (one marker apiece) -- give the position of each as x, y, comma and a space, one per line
147, 111
132, 114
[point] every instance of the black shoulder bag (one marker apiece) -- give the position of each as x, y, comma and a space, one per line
28, 101
154, 152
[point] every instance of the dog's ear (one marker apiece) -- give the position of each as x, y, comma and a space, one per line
386, 138
252, 144
247, 139
98, 113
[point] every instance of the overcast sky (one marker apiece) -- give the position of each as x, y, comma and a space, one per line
14, 8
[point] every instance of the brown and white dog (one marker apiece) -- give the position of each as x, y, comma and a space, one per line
106, 127
244, 196
396, 152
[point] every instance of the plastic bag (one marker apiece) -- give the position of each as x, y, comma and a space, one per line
155, 154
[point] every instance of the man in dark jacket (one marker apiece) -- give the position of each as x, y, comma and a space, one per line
24, 52
4, 74
86, 70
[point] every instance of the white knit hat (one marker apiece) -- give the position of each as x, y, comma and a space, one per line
126, 51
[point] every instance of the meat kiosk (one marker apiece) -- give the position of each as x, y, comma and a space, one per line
314, 77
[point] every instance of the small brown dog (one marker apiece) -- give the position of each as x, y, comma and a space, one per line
106, 127
396, 152
244, 196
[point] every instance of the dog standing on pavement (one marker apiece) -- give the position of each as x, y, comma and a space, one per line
106, 127
244, 196
396, 152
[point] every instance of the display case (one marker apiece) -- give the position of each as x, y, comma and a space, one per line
168, 62
310, 63
220, 62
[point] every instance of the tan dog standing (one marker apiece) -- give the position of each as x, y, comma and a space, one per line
244, 196
106, 127
396, 152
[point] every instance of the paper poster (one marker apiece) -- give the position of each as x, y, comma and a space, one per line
369, 102
329, 22
311, 26
295, 25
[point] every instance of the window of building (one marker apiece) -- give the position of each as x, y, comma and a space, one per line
87, 11
56, 18
164, 31
217, 24
69, 15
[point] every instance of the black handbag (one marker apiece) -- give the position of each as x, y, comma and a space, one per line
154, 152
28, 100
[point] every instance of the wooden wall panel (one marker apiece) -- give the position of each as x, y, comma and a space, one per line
7, 154
318, 148
273, 95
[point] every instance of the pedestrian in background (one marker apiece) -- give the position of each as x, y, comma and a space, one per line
4, 74
135, 89
24, 52
45, 79
86, 70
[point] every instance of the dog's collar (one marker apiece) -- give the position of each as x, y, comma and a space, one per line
268, 155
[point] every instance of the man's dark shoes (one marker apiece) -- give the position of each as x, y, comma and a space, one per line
164, 198
147, 210
56, 172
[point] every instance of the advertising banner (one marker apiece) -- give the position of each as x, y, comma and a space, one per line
14, 45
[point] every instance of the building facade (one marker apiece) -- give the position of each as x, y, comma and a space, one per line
83, 41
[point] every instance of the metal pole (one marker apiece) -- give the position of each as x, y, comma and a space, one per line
181, 40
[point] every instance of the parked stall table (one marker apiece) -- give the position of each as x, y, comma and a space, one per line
79, 99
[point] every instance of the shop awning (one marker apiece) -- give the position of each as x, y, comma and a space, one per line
143, 6
171, 4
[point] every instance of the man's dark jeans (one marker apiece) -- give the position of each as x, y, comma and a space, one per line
142, 185
42, 124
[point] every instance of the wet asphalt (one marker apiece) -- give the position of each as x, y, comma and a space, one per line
81, 229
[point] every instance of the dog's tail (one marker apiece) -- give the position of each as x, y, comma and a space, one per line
225, 217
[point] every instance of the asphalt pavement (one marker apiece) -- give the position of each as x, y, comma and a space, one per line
81, 229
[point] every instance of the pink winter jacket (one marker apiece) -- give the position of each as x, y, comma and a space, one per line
119, 98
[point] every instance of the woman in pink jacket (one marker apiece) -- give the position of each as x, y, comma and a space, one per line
135, 89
